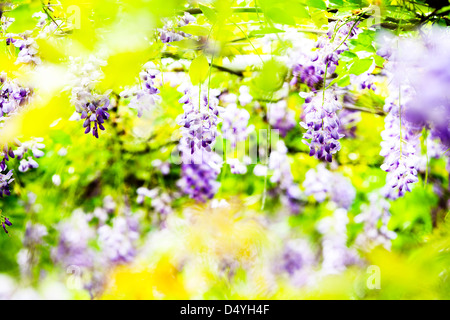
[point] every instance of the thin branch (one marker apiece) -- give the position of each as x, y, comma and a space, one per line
373, 111
239, 73
389, 23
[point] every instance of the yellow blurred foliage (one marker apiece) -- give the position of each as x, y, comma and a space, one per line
161, 281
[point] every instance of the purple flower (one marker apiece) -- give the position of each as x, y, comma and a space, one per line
374, 233
161, 201
322, 125
4, 227
336, 255
91, 106
5, 180
118, 242
348, 122
324, 184
297, 259
199, 181
28, 48
200, 164
34, 232
399, 148
145, 96
308, 74
5, 223
169, 34
235, 126
12, 96
279, 164
73, 245
280, 117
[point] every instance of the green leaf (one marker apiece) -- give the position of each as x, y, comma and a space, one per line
271, 77
337, 2
348, 56
318, 17
379, 60
360, 66
342, 81
345, 81
319, 4
279, 15
296, 9
198, 71
265, 31
209, 13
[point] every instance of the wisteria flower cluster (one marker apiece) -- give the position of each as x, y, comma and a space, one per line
400, 148
146, 95
200, 164
12, 96
322, 184
161, 200
26, 42
116, 240
335, 252
320, 119
5, 223
374, 234
169, 33
409, 72
322, 125
280, 165
35, 147
91, 106
235, 127
281, 117
297, 260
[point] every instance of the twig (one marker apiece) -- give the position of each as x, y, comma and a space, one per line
238, 73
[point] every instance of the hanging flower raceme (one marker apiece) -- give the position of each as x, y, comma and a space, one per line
400, 148
145, 96
323, 184
235, 126
35, 147
312, 67
297, 260
73, 245
161, 200
118, 241
6, 178
169, 33
281, 117
308, 70
26, 41
336, 255
200, 164
279, 163
91, 106
322, 125
5, 222
320, 119
410, 71
12, 96
375, 234
236, 129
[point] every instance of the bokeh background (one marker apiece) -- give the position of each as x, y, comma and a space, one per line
106, 218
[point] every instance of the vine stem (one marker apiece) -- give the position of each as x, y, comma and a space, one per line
248, 39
